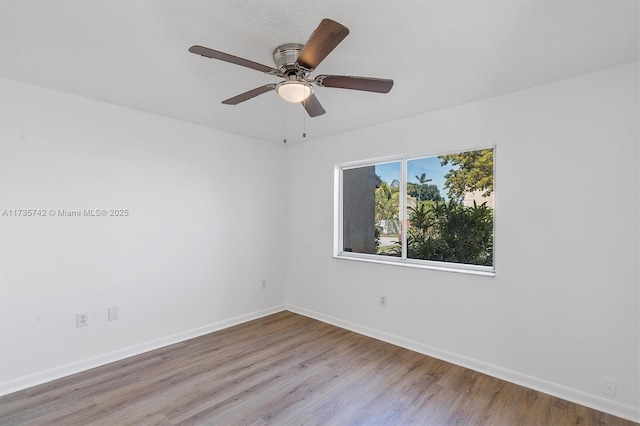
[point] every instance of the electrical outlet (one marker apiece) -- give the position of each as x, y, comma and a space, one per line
609, 386
82, 320
263, 284
112, 313
383, 301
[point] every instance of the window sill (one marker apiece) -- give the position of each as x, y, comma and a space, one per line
437, 266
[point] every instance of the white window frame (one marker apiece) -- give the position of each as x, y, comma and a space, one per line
339, 253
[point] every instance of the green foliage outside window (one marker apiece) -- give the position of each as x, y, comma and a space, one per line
438, 230
473, 171
451, 232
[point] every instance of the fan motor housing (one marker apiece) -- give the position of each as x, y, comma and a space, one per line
286, 56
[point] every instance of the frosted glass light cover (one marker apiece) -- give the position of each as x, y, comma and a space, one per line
294, 91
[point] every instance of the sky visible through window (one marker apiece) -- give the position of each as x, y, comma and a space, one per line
429, 165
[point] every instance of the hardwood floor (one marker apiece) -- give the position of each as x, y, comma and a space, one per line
287, 369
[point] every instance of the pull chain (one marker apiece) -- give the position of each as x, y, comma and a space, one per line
285, 127
304, 119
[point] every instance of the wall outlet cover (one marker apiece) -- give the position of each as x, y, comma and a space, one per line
609, 386
82, 320
112, 314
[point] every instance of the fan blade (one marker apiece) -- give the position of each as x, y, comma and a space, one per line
214, 54
250, 94
323, 40
367, 84
313, 107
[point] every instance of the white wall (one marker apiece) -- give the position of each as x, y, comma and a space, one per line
205, 226
563, 310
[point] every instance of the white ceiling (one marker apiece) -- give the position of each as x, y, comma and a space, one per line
439, 52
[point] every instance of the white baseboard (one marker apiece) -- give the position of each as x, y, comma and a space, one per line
86, 364
596, 402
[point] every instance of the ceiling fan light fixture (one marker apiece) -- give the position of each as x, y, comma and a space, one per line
294, 91
295, 62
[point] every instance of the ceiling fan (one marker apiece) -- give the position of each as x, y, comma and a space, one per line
294, 63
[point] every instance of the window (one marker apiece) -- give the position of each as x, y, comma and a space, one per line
431, 211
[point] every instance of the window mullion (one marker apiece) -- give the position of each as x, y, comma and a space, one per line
403, 207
